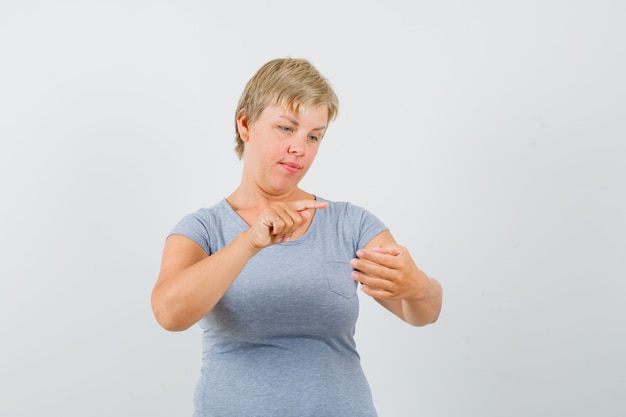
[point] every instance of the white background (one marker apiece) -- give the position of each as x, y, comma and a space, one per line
489, 135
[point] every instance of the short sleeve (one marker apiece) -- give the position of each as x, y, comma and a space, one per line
367, 225
196, 227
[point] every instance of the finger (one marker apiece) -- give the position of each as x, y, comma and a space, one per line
287, 220
280, 224
275, 224
375, 257
301, 205
373, 285
270, 220
390, 249
376, 292
370, 270
365, 279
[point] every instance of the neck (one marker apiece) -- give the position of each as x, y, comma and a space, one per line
244, 198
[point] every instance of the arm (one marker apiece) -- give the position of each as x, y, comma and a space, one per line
190, 283
388, 273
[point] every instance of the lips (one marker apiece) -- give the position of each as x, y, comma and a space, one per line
291, 167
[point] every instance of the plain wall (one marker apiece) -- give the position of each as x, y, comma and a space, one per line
489, 136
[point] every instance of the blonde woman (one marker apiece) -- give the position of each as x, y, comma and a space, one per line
270, 272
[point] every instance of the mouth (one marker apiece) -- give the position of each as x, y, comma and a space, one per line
290, 167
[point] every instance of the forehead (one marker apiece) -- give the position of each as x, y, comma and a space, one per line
317, 116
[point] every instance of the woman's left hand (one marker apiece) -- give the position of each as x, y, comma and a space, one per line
388, 272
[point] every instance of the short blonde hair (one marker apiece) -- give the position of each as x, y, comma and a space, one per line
290, 82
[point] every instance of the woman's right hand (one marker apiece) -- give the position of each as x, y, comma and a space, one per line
278, 222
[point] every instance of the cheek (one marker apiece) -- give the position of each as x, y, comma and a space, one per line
262, 146
313, 153
269, 155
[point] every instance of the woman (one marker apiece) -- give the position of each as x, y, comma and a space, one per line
271, 271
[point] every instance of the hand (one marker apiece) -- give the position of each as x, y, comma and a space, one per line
279, 221
389, 272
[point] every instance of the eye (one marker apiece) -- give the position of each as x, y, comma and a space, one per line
285, 129
314, 138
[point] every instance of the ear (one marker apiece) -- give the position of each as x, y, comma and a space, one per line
242, 125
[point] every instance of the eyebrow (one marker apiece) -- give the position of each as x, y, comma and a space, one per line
295, 122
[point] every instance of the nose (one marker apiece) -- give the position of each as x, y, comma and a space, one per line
296, 146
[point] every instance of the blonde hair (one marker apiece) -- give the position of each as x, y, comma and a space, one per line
290, 82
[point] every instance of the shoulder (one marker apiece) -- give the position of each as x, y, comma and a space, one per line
202, 220
351, 221
350, 215
344, 209
208, 214
207, 227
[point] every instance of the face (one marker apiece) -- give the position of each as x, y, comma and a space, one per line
280, 146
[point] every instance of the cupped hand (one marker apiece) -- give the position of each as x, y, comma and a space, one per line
389, 272
278, 222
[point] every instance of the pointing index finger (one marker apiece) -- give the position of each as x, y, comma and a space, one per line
301, 205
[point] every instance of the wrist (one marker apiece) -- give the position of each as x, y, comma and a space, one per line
247, 240
423, 290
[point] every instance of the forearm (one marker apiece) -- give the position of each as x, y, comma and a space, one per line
425, 308
184, 298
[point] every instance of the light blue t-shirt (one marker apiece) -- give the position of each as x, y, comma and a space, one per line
281, 340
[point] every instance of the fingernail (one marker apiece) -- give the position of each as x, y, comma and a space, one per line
359, 253
353, 262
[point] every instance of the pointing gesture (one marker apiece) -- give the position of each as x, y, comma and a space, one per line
278, 222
